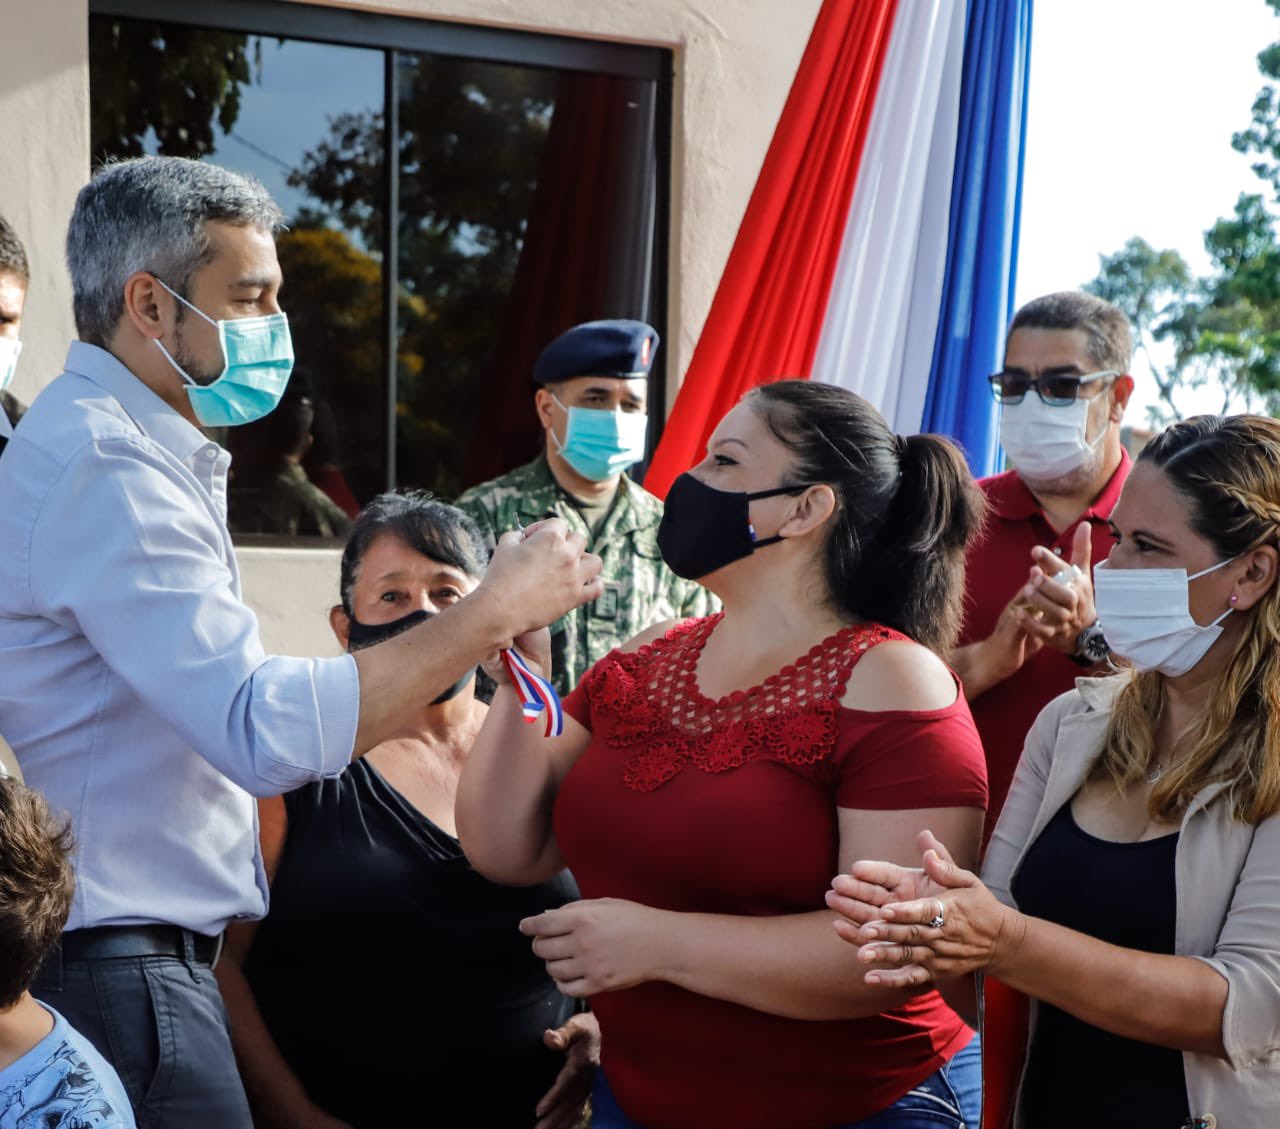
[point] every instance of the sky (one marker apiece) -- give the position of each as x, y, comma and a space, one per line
1132, 105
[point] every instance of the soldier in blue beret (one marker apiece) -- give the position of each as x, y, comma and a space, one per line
592, 391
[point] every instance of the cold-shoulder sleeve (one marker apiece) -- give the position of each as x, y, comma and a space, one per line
895, 760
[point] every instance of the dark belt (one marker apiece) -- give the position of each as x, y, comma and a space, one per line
112, 942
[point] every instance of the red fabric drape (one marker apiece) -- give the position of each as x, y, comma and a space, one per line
564, 263
1006, 1023
768, 311
559, 271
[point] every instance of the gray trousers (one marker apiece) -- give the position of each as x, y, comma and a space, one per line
161, 1023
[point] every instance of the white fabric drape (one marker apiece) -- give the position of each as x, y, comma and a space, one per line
878, 336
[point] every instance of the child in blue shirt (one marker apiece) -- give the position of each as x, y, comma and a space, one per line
49, 1073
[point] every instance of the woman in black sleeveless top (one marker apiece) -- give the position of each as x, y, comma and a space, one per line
390, 984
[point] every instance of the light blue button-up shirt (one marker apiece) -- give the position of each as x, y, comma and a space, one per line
133, 686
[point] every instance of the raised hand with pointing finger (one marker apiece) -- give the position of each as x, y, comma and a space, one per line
1056, 604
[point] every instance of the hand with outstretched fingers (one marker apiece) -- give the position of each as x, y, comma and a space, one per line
950, 925
579, 1040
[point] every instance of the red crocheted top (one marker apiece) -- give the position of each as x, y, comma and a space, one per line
663, 721
729, 806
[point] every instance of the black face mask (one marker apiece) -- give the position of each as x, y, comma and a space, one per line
704, 529
362, 635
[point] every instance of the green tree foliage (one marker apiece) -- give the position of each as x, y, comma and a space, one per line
175, 83
1220, 329
1262, 138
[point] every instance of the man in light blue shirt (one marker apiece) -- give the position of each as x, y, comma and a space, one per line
133, 686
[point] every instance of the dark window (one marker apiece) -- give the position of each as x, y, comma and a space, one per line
456, 197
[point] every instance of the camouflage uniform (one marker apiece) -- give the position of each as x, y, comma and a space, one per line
283, 500
639, 588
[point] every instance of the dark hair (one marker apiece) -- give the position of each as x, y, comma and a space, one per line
13, 256
1227, 470
36, 884
1106, 326
906, 507
432, 527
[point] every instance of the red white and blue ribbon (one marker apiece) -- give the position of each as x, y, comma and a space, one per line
537, 695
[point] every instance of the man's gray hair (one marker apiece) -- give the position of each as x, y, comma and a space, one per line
149, 214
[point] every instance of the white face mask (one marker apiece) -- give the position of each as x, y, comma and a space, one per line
1045, 442
10, 347
1145, 615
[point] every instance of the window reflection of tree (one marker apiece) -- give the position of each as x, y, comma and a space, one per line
470, 154
526, 201
164, 80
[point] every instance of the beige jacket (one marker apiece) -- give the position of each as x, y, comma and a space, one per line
1228, 914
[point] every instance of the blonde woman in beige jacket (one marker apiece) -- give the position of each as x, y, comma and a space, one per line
1132, 887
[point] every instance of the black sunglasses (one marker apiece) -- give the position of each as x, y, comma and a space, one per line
1055, 389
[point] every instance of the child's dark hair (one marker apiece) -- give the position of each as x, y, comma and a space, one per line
36, 885
907, 508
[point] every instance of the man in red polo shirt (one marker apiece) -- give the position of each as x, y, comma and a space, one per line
1030, 627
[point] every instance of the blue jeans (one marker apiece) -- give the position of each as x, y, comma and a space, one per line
161, 1023
949, 1099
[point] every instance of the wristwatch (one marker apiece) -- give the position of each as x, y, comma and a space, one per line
1091, 647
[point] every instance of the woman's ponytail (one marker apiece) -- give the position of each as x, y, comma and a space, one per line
911, 576
908, 507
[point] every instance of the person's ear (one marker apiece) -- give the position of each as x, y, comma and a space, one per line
340, 624
1121, 390
810, 510
150, 308
1257, 579
545, 405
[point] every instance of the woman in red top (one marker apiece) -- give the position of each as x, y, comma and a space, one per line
709, 782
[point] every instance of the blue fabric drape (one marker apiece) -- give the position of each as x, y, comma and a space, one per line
982, 250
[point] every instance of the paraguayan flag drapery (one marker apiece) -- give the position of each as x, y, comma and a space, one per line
879, 246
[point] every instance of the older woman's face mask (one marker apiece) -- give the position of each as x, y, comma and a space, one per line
362, 635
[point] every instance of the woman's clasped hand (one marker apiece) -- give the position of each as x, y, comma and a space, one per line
916, 925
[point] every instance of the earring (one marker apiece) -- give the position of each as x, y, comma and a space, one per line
1234, 598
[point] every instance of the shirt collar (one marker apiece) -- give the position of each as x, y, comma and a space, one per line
1010, 499
154, 418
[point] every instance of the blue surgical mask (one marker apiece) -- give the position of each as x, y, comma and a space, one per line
258, 356
601, 444
9, 349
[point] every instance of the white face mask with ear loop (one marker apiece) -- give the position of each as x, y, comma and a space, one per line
1145, 616
1045, 441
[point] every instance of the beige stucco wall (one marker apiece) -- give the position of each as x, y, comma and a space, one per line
734, 60
44, 128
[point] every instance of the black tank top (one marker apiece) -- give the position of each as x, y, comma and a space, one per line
393, 976
1125, 894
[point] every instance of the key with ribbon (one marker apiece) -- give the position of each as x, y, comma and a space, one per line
536, 693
